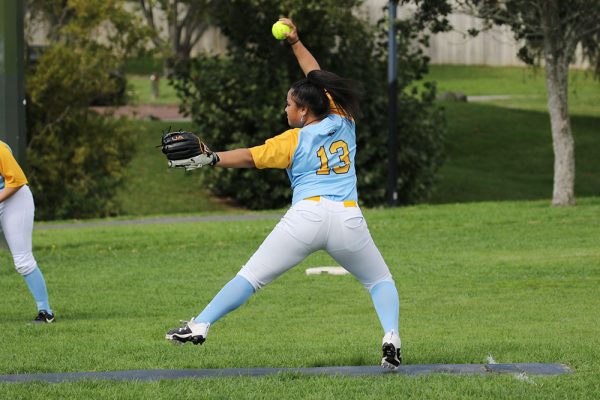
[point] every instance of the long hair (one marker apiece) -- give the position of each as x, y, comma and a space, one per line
312, 93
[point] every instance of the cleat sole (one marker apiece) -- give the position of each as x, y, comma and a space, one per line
391, 357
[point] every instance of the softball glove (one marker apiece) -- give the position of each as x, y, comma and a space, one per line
186, 150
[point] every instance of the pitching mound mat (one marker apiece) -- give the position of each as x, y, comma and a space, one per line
158, 374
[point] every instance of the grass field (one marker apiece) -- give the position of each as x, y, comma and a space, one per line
502, 149
140, 90
526, 86
506, 154
517, 280
153, 188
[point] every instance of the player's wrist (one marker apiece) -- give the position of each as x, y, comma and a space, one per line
293, 42
215, 159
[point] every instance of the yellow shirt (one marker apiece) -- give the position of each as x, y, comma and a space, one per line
11, 172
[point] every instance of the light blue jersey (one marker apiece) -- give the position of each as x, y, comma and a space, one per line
323, 162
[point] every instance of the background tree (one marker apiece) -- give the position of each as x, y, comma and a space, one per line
238, 100
186, 22
76, 156
551, 31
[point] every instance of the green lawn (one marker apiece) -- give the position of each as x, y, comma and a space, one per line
151, 187
505, 154
517, 280
140, 90
526, 86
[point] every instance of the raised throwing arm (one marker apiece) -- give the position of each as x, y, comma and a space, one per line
306, 60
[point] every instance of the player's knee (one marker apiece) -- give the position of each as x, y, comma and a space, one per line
386, 278
251, 278
24, 263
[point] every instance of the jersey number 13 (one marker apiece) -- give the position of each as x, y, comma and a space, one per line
334, 150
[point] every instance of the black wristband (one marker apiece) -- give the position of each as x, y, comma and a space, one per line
215, 159
294, 42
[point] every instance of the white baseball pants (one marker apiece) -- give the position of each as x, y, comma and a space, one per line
16, 218
309, 226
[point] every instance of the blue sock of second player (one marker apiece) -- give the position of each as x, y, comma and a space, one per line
37, 286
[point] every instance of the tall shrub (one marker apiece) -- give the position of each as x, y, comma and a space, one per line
75, 155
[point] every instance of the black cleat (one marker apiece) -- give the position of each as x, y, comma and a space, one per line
189, 332
392, 356
44, 317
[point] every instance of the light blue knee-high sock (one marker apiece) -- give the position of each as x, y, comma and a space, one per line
235, 293
387, 305
37, 287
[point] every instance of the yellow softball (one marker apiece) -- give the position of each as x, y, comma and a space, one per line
279, 30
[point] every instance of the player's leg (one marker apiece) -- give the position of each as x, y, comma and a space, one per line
17, 224
235, 293
387, 306
301, 232
352, 246
295, 237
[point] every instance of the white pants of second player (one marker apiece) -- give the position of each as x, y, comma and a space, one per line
16, 219
309, 226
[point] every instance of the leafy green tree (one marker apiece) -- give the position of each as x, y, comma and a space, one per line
238, 100
75, 155
550, 32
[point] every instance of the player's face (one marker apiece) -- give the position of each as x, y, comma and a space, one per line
294, 113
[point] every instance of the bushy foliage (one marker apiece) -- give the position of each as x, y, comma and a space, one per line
238, 100
75, 155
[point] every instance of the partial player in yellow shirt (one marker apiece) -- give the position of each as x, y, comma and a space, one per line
16, 218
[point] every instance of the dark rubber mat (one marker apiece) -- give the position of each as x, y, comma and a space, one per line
158, 374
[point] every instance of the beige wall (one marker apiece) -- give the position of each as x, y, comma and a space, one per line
495, 48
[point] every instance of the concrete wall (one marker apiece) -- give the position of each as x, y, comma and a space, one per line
495, 48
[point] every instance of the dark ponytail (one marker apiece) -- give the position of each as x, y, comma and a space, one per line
310, 92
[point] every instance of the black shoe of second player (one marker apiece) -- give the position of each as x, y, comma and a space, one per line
44, 317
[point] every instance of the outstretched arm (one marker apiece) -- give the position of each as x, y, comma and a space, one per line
305, 58
238, 158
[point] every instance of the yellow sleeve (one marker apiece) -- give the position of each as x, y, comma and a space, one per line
276, 152
9, 169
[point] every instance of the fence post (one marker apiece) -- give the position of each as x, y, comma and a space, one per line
12, 78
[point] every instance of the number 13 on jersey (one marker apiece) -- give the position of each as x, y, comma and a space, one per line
338, 149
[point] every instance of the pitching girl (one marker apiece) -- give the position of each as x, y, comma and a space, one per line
16, 218
318, 154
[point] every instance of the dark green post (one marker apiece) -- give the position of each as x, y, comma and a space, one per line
12, 77
392, 106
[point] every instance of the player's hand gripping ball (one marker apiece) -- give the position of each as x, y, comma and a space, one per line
279, 30
186, 150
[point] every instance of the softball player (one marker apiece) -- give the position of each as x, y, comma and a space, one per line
318, 155
16, 218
